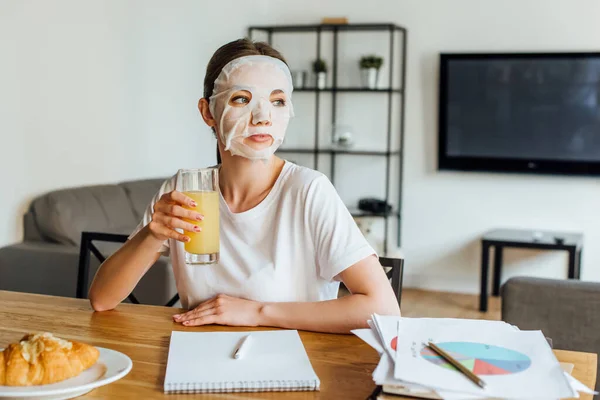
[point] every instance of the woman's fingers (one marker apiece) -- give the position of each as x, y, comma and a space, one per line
177, 211
179, 198
206, 320
207, 305
215, 305
161, 231
175, 223
196, 314
170, 214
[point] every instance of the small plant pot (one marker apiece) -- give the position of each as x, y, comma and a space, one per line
321, 80
370, 77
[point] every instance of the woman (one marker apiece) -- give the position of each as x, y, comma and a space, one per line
287, 240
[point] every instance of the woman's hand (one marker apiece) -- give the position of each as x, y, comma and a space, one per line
222, 310
170, 213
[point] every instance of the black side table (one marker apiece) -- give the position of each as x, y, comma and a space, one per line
529, 239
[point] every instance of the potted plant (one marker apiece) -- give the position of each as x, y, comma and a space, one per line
319, 67
369, 67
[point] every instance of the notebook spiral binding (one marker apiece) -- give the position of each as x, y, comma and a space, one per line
241, 386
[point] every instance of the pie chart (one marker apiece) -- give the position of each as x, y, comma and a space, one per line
480, 358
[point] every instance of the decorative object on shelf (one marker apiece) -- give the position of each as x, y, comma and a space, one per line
319, 67
369, 69
298, 79
373, 205
342, 136
334, 20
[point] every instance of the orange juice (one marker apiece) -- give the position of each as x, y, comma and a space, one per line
207, 240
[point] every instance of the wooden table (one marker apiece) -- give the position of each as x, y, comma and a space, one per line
343, 363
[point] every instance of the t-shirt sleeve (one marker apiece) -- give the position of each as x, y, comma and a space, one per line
166, 187
338, 241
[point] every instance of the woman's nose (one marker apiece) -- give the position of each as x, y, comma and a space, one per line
261, 115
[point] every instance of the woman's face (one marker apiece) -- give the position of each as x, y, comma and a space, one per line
258, 140
252, 107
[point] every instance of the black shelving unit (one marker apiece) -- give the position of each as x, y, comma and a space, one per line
396, 88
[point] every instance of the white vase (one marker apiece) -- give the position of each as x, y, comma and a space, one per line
321, 80
370, 77
298, 79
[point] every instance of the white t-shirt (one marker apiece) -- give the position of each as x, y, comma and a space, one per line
290, 247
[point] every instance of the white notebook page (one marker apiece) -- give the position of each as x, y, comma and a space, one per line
203, 361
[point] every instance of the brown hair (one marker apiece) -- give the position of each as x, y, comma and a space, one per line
231, 51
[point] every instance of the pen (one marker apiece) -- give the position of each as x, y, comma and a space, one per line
477, 380
242, 347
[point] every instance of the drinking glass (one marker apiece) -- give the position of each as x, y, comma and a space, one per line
202, 185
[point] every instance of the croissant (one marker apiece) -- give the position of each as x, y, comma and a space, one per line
40, 359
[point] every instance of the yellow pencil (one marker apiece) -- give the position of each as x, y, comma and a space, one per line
477, 380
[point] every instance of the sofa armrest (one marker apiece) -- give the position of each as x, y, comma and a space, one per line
51, 268
567, 311
39, 267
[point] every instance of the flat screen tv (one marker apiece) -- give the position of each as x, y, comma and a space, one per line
521, 112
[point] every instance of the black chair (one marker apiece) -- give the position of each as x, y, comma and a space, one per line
395, 274
394, 270
87, 247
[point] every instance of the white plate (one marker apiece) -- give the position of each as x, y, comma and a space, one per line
111, 366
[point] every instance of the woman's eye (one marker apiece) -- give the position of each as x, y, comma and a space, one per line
240, 100
278, 103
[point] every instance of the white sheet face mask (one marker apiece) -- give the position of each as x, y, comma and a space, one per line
262, 104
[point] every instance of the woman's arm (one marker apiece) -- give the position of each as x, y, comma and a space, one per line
370, 291
122, 271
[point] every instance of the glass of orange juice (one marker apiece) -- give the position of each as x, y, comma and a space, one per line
202, 185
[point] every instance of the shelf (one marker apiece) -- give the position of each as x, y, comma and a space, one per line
339, 151
349, 89
328, 27
325, 153
356, 213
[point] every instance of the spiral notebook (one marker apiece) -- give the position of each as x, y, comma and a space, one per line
203, 362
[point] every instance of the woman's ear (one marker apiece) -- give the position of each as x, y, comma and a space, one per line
205, 112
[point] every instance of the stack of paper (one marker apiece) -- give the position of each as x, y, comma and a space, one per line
514, 364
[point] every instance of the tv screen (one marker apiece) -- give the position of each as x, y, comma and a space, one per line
534, 112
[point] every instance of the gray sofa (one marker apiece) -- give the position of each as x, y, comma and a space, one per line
46, 262
567, 311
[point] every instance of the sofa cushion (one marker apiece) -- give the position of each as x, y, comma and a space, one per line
140, 194
62, 215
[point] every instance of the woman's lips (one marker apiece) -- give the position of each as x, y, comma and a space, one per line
260, 137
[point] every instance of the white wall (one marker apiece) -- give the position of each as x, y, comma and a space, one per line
445, 213
102, 91
95, 92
